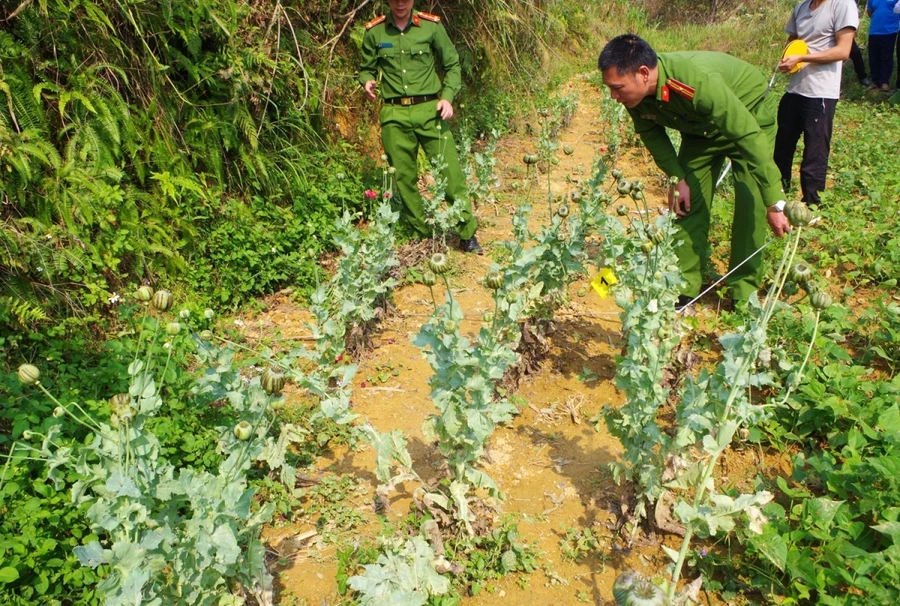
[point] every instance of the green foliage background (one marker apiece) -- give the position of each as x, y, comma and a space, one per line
198, 142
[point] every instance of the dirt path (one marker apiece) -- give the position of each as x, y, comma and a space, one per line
551, 461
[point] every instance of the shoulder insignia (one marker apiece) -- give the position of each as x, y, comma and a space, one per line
681, 88
430, 17
375, 22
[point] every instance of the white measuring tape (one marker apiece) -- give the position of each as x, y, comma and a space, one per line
769, 240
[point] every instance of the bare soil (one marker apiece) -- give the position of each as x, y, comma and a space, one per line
552, 460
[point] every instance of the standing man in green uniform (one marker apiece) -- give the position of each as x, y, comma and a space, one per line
402, 50
720, 106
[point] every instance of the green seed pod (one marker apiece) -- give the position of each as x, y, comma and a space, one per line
801, 273
438, 263
511, 297
617, 173
621, 210
488, 318
277, 403
173, 328
798, 214
623, 187
208, 314
450, 326
144, 293
663, 333
563, 211
206, 336
29, 374
647, 246
27, 434
242, 431
429, 279
162, 300
272, 381
568, 150
637, 195
340, 176
790, 288
655, 234
494, 280
120, 401
185, 314
820, 300
673, 181
530, 159
554, 161
637, 186
59, 412
645, 593
575, 196
384, 157
622, 586
391, 170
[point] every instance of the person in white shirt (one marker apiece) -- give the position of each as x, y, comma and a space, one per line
807, 108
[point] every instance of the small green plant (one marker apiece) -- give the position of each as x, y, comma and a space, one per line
404, 573
578, 543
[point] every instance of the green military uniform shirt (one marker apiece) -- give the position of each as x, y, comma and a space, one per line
407, 59
710, 95
406, 63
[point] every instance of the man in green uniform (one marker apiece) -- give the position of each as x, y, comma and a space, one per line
402, 50
720, 106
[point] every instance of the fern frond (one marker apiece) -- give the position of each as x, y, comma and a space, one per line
20, 311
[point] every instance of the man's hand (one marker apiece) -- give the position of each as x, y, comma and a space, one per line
445, 109
778, 222
370, 87
680, 204
788, 63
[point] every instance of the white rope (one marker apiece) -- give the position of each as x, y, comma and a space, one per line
724, 174
730, 271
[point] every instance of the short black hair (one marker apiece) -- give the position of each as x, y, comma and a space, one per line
627, 53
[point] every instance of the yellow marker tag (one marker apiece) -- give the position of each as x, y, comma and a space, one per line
602, 281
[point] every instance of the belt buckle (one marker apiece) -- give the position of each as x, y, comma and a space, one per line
406, 100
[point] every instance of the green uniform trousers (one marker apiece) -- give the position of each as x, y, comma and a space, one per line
403, 130
703, 160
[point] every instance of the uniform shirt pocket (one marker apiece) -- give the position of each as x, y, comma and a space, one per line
388, 52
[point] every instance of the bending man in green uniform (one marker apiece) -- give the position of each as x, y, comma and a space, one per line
720, 106
404, 49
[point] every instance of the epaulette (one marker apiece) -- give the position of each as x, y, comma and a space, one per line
375, 22
430, 17
681, 88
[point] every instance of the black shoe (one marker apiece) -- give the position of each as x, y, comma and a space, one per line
470, 245
683, 300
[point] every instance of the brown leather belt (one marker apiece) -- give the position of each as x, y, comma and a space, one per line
410, 100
